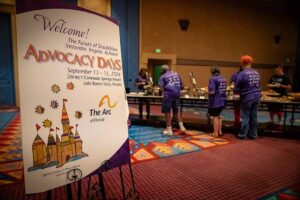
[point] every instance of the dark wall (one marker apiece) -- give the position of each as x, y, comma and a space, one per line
126, 12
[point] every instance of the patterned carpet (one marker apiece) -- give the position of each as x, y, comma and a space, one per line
148, 143
242, 170
5, 117
11, 164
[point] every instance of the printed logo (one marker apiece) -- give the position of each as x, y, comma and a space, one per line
105, 106
106, 97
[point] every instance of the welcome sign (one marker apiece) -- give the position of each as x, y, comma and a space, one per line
73, 108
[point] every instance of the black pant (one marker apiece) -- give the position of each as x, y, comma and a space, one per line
141, 103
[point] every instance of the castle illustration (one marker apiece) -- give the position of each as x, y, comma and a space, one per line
58, 151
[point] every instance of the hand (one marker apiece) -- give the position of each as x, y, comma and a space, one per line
141, 83
277, 85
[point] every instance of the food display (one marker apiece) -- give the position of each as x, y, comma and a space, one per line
294, 97
271, 95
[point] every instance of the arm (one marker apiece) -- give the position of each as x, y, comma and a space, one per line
139, 82
238, 83
211, 87
233, 79
287, 87
286, 84
270, 83
161, 84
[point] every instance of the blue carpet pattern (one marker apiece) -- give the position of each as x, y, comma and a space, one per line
5, 117
145, 135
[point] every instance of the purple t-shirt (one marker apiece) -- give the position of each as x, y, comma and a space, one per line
233, 80
217, 86
140, 79
233, 77
248, 83
171, 84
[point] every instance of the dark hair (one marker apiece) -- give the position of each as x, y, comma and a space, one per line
215, 70
142, 70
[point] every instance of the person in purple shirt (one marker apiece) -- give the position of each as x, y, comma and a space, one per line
234, 76
171, 84
216, 99
237, 113
248, 84
141, 82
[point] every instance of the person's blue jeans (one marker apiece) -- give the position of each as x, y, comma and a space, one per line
249, 119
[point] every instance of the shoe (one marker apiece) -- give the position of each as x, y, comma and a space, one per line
182, 128
168, 131
212, 135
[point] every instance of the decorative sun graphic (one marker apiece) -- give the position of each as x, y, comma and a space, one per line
39, 109
78, 114
47, 123
55, 88
54, 104
70, 86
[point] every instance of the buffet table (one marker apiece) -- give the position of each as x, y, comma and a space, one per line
289, 106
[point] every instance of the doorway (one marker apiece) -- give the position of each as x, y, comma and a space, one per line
7, 87
154, 68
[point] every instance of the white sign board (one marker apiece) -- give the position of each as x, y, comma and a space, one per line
73, 109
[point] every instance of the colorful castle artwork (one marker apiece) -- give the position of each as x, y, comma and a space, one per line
57, 151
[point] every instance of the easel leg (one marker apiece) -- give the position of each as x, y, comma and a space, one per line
89, 187
132, 179
101, 184
79, 190
69, 192
48, 197
122, 183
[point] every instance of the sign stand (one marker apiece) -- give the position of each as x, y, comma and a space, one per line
69, 192
132, 180
83, 60
122, 182
79, 189
75, 174
132, 192
101, 184
48, 197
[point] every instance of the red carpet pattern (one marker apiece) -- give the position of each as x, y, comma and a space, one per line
247, 169
11, 164
148, 143
234, 172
